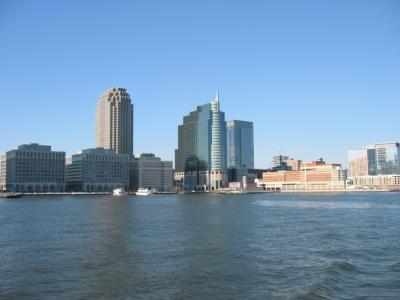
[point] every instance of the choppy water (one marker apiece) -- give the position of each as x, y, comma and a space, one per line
201, 246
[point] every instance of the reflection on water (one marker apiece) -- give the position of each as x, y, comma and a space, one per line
201, 246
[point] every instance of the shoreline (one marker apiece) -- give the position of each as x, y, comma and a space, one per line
15, 195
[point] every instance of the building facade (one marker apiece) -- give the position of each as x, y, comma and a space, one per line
377, 182
240, 144
33, 168
376, 166
313, 176
375, 159
114, 121
200, 159
358, 162
383, 159
293, 164
278, 160
3, 172
151, 172
97, 170
283, 162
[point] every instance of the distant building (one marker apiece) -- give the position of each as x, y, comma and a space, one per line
383, 159
236, 173
33, 168
151, 172
358, 162
314, 176
278, 160
3, 172
114, 121
283, 162
375, 159
256, 173
240, 144
200, 159
344, 174
375, 166
246, 183
240, 149
293, 164
97, 170
377, 182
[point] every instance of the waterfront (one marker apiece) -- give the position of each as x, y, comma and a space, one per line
201, 246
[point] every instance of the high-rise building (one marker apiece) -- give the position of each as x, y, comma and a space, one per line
151, 172
34, 168
97, 170
375, 159
200, 159
114, 121
384, 159
240, 144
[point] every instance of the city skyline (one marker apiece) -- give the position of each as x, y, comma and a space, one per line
333, 82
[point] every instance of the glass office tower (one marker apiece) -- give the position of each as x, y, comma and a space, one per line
386, 158
375, 159
194, 141
200, 159
240, 144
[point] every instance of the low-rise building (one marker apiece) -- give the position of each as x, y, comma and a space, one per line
376, 182
33, 168
313, 176
151, 172
97, 170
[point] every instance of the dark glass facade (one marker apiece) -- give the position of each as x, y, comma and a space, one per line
383, 159
240, 144
194, 140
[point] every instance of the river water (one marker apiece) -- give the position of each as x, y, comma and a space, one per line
274, 246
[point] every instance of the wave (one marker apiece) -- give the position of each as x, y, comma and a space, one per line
395, 267
342, 266
328, 285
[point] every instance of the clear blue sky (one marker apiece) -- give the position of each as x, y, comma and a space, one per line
316, 77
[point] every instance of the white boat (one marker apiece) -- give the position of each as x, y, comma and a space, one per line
119, 192
144, 192
10, 195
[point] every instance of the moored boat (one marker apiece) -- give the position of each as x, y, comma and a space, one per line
119, 192
10, 195
144, 192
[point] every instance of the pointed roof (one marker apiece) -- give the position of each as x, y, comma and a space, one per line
217, 96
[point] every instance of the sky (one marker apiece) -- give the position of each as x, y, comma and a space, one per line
317, 78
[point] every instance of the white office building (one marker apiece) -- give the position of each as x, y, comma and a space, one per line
97, 170
33, 168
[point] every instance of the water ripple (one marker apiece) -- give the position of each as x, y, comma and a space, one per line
323, 204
